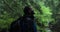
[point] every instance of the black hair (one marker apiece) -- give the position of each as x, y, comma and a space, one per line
27, 9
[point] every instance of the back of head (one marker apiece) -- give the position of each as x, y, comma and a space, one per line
28, 10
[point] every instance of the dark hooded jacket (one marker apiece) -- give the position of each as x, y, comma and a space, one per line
26, 23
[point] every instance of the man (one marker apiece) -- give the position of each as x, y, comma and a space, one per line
25, 23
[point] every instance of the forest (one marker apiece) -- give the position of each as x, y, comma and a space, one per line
47, 12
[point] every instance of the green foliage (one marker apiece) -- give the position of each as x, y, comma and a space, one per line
10, 10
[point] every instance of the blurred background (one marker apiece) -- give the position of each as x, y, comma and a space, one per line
47, 13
